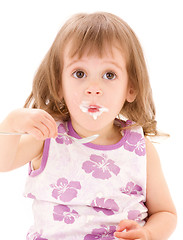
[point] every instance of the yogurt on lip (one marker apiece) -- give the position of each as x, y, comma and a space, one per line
93, 110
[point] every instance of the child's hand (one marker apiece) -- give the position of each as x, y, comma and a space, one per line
33, 121
133, 231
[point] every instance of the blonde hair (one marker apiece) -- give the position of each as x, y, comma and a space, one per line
95, 32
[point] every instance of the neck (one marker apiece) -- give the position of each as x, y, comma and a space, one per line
107, 136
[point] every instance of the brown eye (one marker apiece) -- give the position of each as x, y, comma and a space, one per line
79, 74
109, 76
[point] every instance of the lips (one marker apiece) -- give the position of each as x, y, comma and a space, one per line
93, 108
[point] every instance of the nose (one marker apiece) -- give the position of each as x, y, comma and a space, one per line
93, 91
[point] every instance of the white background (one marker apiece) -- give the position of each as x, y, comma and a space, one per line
28, 28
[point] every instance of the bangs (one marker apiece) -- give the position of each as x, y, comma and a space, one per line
94, 33
89, 34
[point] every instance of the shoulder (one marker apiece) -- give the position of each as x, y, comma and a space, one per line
151, 153
153, 160
149, 145
128, 126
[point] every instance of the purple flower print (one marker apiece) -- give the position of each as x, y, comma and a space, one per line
100, 166
63, 139
129, 122
35, 236
64, 190
131, 188
40, 238
64, 213
134, 215
30, 195
103, 233
135, 143
106, 206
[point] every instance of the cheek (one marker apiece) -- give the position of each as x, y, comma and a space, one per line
116, 99
72, 99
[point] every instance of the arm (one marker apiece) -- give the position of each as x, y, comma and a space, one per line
18, 150
162, 213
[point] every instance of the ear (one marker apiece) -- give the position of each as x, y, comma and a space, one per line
131, 94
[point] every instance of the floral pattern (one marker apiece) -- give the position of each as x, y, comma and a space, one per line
135, 143
35, 236
108, 207
30, 195
63, 139
40, 238
134, 215
131, 188
95, 206
103, 233
64, 213
100, 166
64, 190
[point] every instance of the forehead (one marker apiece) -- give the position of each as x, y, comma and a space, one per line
89, 34
108, 52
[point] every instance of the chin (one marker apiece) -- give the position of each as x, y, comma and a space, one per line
88, 123
95, 125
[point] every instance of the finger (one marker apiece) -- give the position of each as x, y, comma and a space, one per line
48, 116
37, 133
47, 126
40, 115
133, 234
44, 129
52, 125
127, 224
39, 130
126, 239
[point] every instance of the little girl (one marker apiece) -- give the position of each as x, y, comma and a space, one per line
93, 80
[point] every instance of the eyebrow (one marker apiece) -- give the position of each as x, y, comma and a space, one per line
73, 62
114, 63
110, 62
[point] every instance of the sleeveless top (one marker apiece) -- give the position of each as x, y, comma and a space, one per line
83, 191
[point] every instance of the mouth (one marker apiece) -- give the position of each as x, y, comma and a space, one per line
94, 110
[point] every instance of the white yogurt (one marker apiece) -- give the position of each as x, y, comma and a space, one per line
84, 106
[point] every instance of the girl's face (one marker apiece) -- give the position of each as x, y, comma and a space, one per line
95, 89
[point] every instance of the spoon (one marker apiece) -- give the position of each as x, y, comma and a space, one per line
82, 140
